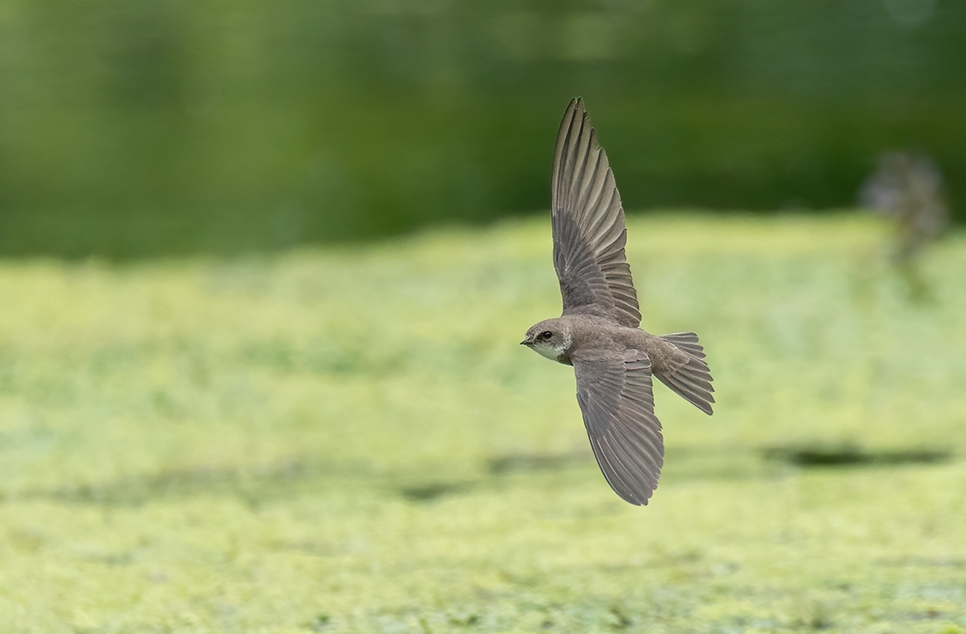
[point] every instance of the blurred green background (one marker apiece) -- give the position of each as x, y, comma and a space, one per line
252, 411
350, 441
135, 129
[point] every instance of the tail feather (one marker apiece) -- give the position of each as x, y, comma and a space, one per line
687, 341
692, 381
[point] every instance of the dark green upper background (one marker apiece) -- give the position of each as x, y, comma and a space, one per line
168, 126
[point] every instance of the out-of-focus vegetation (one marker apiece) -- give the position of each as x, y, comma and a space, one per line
908, 189
352, 441
141, 128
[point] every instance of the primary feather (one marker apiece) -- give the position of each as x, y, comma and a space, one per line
588, 226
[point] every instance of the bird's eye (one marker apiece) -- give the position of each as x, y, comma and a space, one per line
546, 334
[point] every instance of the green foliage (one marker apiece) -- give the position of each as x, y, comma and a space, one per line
160, 127
352, 441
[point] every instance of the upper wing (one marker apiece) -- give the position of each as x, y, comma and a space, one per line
588, 226
614, 392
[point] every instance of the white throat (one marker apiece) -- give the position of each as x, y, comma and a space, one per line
550, 350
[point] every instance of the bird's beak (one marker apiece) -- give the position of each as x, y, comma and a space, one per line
526, 342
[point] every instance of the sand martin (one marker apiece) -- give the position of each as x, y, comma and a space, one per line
599, 332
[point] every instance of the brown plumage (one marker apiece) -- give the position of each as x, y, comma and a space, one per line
598, 333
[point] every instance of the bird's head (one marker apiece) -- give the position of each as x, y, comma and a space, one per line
550, 338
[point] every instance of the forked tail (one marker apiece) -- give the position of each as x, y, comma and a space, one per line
692, 381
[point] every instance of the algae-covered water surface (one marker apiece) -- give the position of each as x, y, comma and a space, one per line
351, 440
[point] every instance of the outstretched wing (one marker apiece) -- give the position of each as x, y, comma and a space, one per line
614, 392
588, 226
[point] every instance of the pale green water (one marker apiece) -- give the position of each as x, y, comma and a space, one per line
353, 441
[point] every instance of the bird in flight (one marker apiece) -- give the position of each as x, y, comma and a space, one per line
599, 331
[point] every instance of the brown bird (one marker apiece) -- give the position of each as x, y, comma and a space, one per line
598, 333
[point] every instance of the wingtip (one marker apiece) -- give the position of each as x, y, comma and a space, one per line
638, 500
577, 105
631, 498
581, 119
